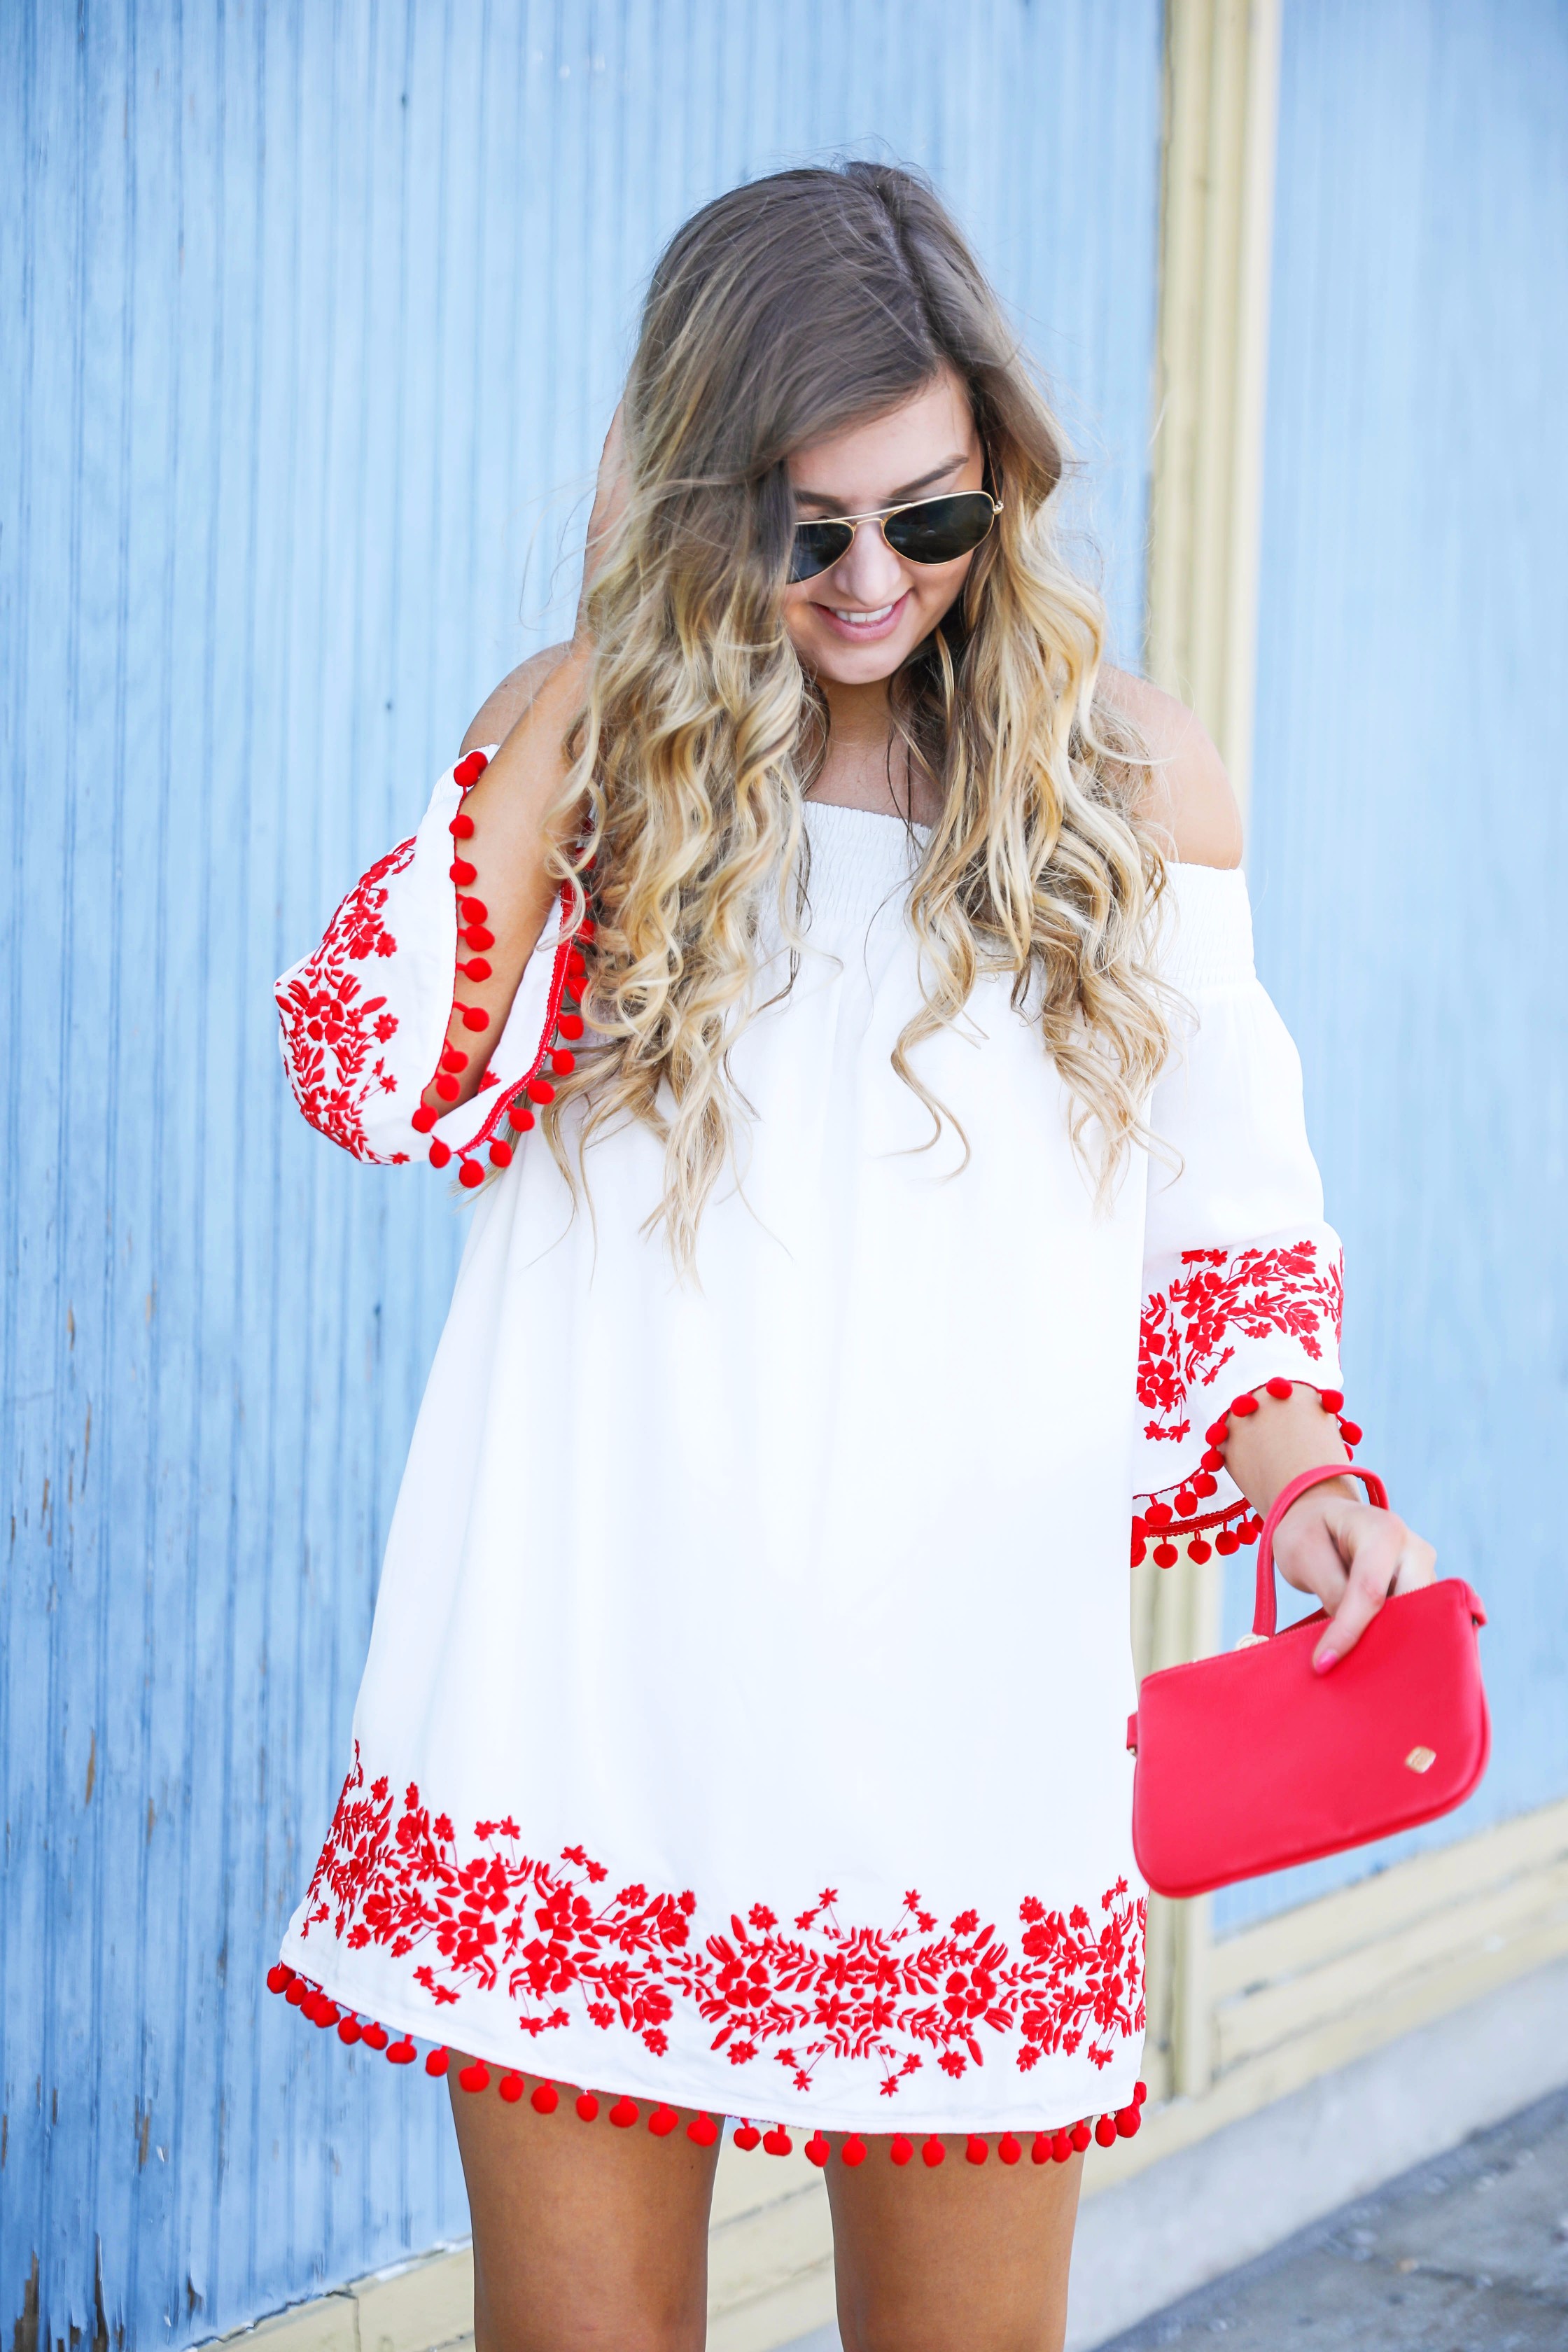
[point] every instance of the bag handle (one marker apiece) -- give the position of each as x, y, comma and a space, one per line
1265, 1616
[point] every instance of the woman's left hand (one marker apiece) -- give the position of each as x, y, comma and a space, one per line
1353, 1558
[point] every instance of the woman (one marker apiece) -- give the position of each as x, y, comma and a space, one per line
888, 1171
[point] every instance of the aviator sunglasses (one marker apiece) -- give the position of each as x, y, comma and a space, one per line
930, 530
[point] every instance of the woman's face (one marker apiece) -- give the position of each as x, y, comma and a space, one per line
862, 620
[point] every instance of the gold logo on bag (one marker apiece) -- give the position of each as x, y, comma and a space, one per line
1421, 1760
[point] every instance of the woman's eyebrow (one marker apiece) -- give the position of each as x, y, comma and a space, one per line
899, 497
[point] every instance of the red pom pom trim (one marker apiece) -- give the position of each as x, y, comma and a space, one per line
476, 2077
933, 2153
510, 2087
976, 2150
817, 2150
703, 2130
545, 2100
587, 2106
747, 2136
436, 2063
853, 2151
469, 769
624, 2113
901, 2149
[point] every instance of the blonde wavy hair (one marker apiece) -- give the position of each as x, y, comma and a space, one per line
785, 311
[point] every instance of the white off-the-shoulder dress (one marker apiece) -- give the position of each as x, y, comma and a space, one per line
743, 1727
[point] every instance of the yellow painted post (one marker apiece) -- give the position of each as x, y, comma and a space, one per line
1222, 76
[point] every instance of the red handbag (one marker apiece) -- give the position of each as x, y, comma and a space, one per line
1251, 1761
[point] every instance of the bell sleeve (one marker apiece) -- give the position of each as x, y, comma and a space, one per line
364, 1018
1242, 1277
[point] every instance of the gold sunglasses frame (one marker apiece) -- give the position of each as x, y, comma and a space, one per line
881, 517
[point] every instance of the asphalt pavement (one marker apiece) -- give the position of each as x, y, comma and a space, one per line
1468, 2254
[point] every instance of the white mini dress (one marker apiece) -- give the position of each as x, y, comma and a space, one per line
744, 1726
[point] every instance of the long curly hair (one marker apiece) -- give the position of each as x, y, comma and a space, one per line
787, 309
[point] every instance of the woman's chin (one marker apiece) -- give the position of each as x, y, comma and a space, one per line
830, 657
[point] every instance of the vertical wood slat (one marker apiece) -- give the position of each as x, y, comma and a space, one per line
314, 319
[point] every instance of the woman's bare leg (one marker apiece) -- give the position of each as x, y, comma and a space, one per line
957, 2258
583, 2235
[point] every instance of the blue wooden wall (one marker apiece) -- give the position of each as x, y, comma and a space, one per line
311, 320
1409, 839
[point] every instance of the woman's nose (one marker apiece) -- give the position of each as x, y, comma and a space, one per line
870, 573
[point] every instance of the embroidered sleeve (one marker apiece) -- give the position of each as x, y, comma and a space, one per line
364, 1018
1242, 1277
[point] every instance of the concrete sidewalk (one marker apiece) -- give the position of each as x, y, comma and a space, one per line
1467, 2254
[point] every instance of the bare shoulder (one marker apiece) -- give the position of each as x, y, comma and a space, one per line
1187, 796
515, 696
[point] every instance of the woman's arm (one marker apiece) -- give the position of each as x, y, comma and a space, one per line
503, 909
1331, 1542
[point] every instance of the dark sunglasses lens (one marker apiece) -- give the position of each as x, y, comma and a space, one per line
817, 547
939, 531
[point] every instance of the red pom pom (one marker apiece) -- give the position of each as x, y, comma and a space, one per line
1213, 1459
1061, 2146
1080, 2136
402, 2053
1217, 1432
1350, 1431
1186, 1503
746, 2136
296, 1995
1105, 2132
469, 1174
571, 1025
1008, 2149
587, 928
475, 969
662, 2121
1166, 1555
545, 2100
439, 1153
476, 2077
452, 1059
1203, 1485
624, 2113
901, 2149
376, 2037
424, 1118
777, 2142
1159, 1515
461, 828
469, 769
435, 2062
1140, 2092
1280, 1388
475, 1017
563, 1064
279, 1977
501, 1154
1242, 1405
462, 872
817, 2149
1332, 1400
476, 936
853, 2151
448, 1088
1198, 1550
1139, 1548
1126, 2121
520, 1116
349, 2032
703, 2130
933, 2152
510, 2087
976, 2150
474, 910
587, 2106
540, 1090
1226, 1543
328, 2013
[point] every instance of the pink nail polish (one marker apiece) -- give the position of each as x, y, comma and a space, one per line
1324, 1659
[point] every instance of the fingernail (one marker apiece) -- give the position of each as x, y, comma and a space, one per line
1324, 1659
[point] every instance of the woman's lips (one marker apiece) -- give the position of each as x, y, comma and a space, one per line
863, 632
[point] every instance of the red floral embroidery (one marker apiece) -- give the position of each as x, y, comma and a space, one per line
1255, 1294
880, 1996
331, 1027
